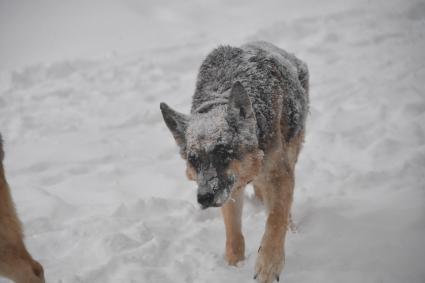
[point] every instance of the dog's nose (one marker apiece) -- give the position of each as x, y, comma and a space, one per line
206, 200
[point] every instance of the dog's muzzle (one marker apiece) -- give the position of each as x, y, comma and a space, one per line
213, 199
214, 189
215, 193
207, 200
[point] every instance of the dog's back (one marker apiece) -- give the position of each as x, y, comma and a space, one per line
15, 261
276, 82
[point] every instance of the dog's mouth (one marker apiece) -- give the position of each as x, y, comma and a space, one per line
210, 199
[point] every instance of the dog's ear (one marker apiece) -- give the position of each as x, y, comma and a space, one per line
177, 123
240, 106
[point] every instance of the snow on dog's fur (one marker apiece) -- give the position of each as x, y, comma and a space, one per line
15, 261
247, 124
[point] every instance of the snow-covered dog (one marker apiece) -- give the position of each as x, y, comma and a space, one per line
247, 124
15, 261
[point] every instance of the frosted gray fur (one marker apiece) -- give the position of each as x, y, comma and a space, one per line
271, 77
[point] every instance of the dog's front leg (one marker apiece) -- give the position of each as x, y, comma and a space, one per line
232, 215
277, 190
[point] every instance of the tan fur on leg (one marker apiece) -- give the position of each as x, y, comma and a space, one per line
276, 185
15, 261
18, 265
232, 214
278, 197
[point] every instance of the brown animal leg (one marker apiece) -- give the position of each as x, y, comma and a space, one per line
20, 267
15, 262
277, 188
232, 215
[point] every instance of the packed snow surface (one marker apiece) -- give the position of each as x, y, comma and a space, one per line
97, 178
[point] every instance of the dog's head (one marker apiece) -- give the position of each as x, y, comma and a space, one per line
219, 144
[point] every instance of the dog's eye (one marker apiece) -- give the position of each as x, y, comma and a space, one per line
193, 160
222, 155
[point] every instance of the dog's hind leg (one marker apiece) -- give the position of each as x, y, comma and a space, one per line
232, 215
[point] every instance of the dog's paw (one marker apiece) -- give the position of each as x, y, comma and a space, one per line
235, 251
269, 264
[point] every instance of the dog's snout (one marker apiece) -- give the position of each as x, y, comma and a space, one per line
206, 200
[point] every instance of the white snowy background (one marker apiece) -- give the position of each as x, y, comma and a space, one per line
96, 176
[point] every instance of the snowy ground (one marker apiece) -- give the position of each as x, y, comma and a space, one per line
96, 176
